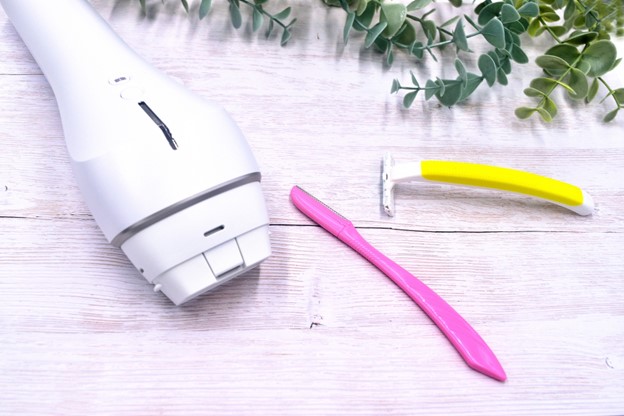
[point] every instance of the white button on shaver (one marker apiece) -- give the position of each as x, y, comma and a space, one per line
132, 93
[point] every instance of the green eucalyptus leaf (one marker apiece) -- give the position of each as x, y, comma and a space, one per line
578, 82
550, 106
611, 115
489, 12
494, 33
501, 77
204, 8
551, 62
570, 10
619, 95
441, 86
450, 21
544, 114
481, 5
414, 80
461, 70
472, 82
459, 37
593, 90
257, 19
529, 9
616, 63
406, 36
535, 28
564, 51
396, 86
366, 17
584, 67
389, 54
235, 15
456, 3
517, 27
269, 28
431, 88
286, 35
487, 66
532, 92
509, 14
142, 2
429, 27
452, 92
347, 27
546, 85
581, 38
394, 14
283, 14
418, 4
417, 49
409, 98
600, 55
185, 5
374, 33
361, 7
518, 55
494, 57
524, 112
382, 44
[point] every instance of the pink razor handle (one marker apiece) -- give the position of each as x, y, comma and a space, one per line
464, 338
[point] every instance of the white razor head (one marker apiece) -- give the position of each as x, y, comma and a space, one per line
387, 184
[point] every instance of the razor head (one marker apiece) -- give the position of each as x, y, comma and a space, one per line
387, 184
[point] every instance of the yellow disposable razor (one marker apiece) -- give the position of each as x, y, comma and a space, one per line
483, 176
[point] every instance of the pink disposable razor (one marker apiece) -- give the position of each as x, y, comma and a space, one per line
464, 338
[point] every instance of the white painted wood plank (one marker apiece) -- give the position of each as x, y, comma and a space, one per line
316, 329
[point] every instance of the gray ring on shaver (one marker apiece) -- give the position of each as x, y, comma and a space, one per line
138, 226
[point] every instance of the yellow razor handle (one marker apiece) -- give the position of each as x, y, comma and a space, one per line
485, 176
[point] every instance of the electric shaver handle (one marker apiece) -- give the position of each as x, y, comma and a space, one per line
73, 57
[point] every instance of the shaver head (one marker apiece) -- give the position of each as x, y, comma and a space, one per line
387, 184
204, 245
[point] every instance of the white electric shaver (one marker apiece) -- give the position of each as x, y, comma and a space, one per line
168, 176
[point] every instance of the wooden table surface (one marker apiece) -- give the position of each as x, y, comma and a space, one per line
316, 329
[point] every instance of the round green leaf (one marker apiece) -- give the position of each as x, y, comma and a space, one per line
473, 81
459, 37
431, 88
407, 35
600, 55
204, 8
518, 55
619, 95
566, 52
347, 27
550, 106
489, 12
532, 92
610, 115
409, 98
374, 33
593, 90
494, 33
544, 114
529, 9
578, 82
487, 66
509, 13
551, 62
581, 38
524, 112
394, 14
235, 15
461, 70
452, 92
501, 77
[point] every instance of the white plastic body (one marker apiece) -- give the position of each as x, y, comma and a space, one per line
393, 174
153, 201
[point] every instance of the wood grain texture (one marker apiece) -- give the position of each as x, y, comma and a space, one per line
316, 329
